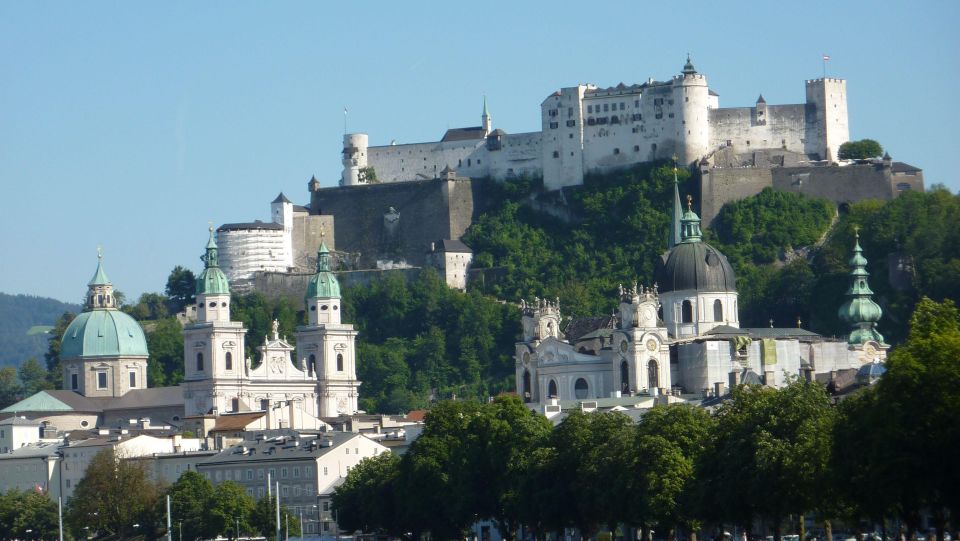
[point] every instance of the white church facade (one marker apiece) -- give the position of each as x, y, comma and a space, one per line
587, 129
681, 338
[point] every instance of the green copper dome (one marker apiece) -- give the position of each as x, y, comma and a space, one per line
693, 264
103, 333
212, 281
860, 311
323, 284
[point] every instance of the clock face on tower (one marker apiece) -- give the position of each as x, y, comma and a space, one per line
647, 316
652, 344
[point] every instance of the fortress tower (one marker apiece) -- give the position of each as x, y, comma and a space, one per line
354, 158
827, 125
693, 132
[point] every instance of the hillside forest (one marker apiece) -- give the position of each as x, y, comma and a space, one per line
419, 342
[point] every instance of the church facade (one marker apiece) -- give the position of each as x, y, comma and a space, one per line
681, 338
105, 356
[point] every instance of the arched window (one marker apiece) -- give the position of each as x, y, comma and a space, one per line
624, 377
311, 364
339, 362
552, 389
686, 312
526, 386
228, 361
199, 362
653, 374
580, 389
717, 310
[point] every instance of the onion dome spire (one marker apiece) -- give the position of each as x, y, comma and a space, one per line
690, 224
212, 281
688, 67
99, 277
860, 311
323, 284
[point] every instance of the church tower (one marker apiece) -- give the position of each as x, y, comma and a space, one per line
485, 119
860, 311
326, 346
213, 346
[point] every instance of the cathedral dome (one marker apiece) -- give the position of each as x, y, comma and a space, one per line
697, 266
103, 333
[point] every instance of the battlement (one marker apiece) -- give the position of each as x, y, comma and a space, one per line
827, 79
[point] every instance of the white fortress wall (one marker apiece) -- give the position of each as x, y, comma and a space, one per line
784, 126
520, 154
419, 161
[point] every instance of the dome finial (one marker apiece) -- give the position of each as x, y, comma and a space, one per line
690, 202
99, 252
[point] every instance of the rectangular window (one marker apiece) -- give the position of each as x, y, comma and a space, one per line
284, 491
249, 475
133, 380
74, 382
623, 106
283, 473
307, 471
571, 123
589, 108
325, 471
101, 380
260, 492
273, 474
296, 472
260, 474
228, 475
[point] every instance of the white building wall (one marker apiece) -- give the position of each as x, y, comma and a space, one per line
245, 251
421, 161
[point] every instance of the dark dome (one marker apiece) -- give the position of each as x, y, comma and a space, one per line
695, 265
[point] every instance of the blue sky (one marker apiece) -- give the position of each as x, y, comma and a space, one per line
131, 125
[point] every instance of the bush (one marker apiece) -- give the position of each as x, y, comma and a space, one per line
863, 149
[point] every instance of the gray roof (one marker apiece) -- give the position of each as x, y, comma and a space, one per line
582, 326
287, 447
257, 225
780, 332
900, 167
697, 266
19, 421
453, 245
32, 450
281, 199
154, 397
464, 134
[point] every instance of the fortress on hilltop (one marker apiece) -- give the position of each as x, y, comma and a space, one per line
402, 207
587, 129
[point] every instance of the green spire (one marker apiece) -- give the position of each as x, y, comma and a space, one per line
99, 277
212, 281
675, 237
860, 311
323, 284
690, 224
485, 111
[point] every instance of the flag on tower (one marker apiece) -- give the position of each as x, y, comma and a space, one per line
826, 57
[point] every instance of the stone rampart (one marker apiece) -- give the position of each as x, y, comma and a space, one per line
398, 221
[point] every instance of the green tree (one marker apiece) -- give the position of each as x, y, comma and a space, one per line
181, 287
33, 377
496, 450
772, 453
28, 515
191, 496
165, 343
920, 405
863, 149
231, 507
671, 441
367, 500
264, 518
113, 495
10, 388
52, 356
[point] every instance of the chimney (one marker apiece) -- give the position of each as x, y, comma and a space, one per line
734, 378
768, 378
718, 389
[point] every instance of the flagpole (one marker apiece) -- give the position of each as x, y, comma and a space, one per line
344, 120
